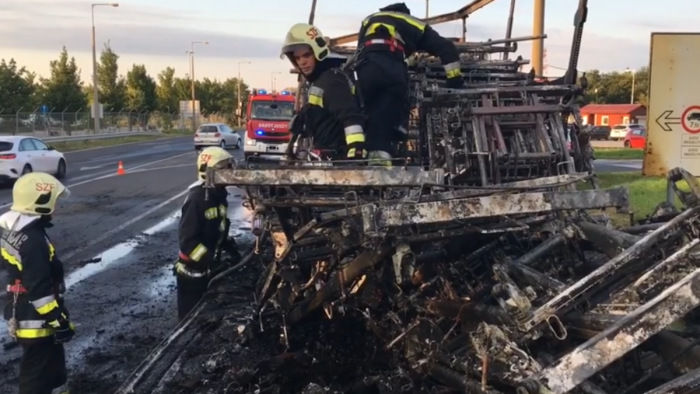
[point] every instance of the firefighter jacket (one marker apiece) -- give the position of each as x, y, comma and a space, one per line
35, 274
332, 116
399, 32
202, 229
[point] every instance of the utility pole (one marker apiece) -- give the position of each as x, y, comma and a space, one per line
632, 71
427, 9
95, 90
194, 121
272, 79
238, 96
538, 44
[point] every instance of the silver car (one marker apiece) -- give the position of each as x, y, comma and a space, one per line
217, 134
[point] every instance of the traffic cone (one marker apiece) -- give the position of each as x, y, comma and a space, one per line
120, 169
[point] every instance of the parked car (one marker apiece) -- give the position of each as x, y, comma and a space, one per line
636, 139
21, 154
619, 132
217, 134
599, 132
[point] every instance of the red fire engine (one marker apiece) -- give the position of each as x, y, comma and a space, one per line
267, 124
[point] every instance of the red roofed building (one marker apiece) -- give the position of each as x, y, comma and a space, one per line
613, 114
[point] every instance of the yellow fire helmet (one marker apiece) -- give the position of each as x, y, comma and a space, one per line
303, 34
37, 193
212, 157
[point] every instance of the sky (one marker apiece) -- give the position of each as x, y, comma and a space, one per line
245, 36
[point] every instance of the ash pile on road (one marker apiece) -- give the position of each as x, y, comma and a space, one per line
237, 351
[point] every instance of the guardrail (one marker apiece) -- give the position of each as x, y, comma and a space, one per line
86, 137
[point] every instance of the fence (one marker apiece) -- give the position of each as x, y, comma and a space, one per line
56, 124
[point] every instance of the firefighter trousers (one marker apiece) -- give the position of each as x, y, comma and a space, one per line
189, 291
43, 368
382, 77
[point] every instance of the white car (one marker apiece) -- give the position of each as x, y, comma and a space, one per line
217, 134
21, 154
619, 132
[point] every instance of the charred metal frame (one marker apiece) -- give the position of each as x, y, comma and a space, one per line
477, 243
624, 335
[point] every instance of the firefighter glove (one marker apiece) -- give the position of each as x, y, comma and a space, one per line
356, 146
191, 269
379, 158
65, 332
455, 82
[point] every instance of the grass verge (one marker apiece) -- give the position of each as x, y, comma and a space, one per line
619, 154
67, 146
645, 192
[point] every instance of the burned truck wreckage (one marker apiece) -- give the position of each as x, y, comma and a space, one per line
483, 261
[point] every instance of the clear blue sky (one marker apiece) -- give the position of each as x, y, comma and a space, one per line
158, 32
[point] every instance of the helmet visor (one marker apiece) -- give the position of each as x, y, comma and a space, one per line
288, 50
224, 164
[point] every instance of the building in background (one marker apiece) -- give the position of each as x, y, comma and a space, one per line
613, 114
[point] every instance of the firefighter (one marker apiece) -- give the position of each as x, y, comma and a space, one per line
386, 39
203, 232
36, 313
332, 117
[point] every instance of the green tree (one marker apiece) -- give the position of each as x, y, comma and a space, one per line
111, 86
230, 101
182, 89
641, 86
63, 90
616, 87
168, 100
210, 94
140, 90
17, 87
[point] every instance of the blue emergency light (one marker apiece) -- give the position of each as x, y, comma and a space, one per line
285, 93
262, 91
259, 132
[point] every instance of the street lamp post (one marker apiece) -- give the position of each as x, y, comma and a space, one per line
95, 90
272, 78
194, 121
240, 109
629, 70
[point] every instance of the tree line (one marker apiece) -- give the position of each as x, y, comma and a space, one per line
616, 87
64, 91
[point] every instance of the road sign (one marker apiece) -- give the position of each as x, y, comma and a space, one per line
44, 109
673, 113
691, 119
666, 120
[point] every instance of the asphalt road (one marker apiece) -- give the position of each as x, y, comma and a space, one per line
86, 165
125, 304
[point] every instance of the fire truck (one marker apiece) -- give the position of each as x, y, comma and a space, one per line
267, 123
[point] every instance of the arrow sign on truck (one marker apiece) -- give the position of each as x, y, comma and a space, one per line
665, 120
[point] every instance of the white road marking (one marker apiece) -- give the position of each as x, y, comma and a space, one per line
111, 233
161, 168
87, 168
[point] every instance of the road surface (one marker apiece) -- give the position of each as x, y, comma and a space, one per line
124, 305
